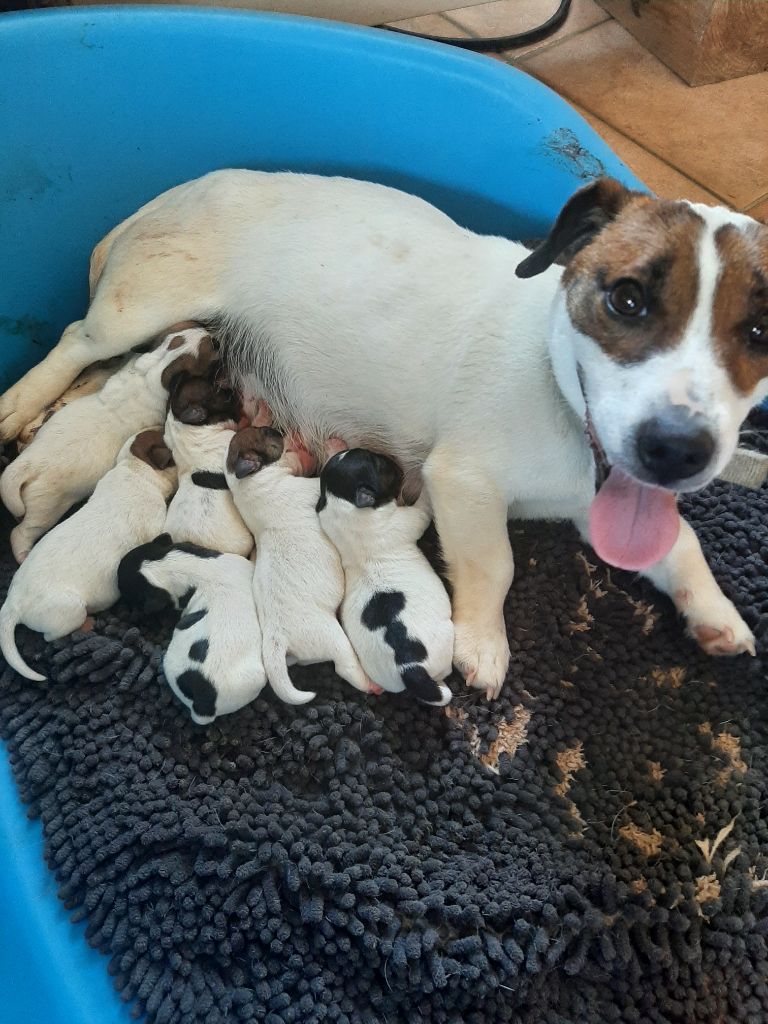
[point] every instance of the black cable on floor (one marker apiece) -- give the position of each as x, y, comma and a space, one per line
494, 44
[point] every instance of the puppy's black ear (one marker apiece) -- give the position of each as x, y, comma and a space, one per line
582, 218
390, 478
163, 540
364, 497
247, 463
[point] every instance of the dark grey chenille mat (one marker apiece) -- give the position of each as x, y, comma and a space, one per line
593, 847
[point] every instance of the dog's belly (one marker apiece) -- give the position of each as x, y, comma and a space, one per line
362, 311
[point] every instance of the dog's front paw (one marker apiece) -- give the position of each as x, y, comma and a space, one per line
716, 625
482, 657
16, 411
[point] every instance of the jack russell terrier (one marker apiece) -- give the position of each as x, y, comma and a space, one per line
600, 389
72, 571
395, 612
201, 422
213, 662
298, 582
79, 444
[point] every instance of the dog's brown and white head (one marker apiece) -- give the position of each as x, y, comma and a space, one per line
660, 342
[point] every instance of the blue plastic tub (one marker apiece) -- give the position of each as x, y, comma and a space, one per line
101, 109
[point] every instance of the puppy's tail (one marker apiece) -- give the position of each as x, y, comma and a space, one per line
8, 622
11, 483
419, 684
273, 656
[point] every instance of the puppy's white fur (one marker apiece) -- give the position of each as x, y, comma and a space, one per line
203, 515
72, 571
298, 582
77, 446
92, 379
379, 555
227, 632
360, 310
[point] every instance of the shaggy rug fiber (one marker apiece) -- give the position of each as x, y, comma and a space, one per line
592, 847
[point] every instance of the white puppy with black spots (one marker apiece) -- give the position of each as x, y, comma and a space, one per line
298, 580
72, 571
396, 611
201, 422
213, 662
76, 447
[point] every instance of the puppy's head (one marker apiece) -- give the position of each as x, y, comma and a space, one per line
660, 337
149, 446
135, 588
200, 400
360, 477
252, 449
197, 354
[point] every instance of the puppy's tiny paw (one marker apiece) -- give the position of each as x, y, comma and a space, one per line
481, 657
720, 630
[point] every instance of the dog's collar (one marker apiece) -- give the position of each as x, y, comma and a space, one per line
602, 466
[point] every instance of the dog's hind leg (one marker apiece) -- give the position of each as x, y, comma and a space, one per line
134, 302
712, 619
339, 650
471, 520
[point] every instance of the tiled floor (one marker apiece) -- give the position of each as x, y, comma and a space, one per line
706, 143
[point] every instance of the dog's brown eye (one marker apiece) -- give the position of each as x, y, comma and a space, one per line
758, 333
627, 298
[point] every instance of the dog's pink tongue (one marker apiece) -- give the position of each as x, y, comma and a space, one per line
632, 526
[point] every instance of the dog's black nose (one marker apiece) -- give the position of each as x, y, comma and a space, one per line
673, 448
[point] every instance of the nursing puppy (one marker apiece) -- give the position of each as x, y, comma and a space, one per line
92, 379
200, 424
213, 661
356, 309
395, 611
72, 572
77, 446
298, 581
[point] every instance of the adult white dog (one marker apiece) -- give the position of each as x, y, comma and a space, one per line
359, 310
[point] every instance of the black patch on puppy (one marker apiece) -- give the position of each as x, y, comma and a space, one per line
195, 549
134, 588
382, 609
201, 691
407, 650
199, 651
186, 597
363, 478
419, 684
383, 612
253, 448
205, 478
191, 618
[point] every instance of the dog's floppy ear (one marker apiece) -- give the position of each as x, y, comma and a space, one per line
161, 457
150, 447
390, 478
582, 218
